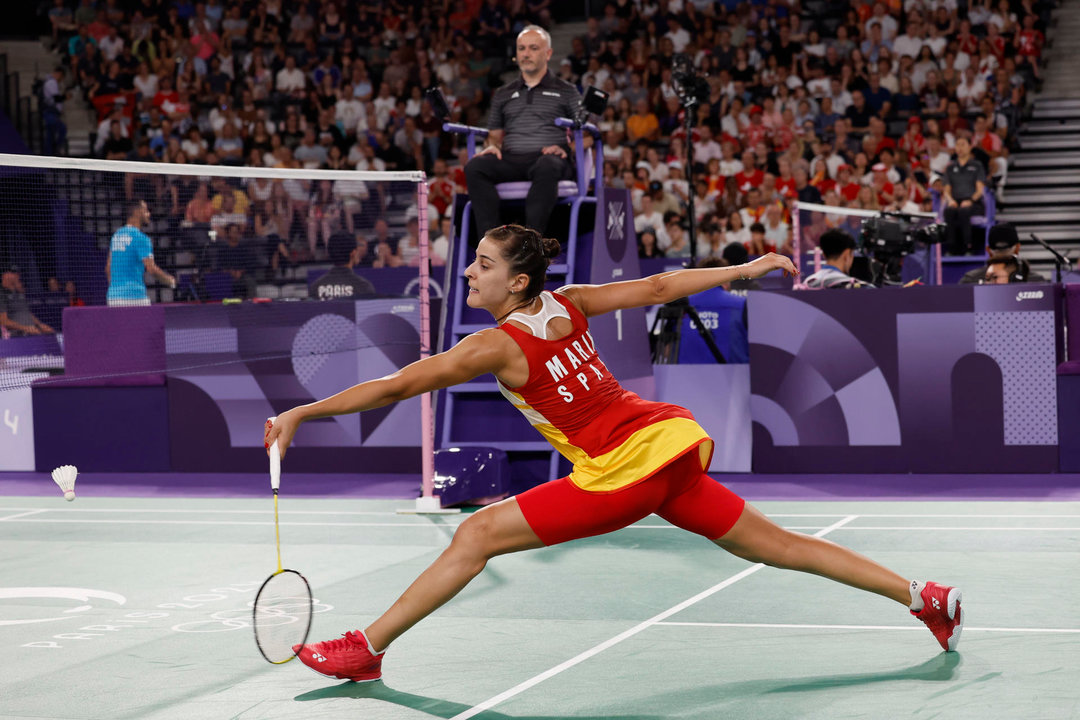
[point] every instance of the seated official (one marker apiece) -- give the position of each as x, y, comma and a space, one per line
839, 250
724, 315
1003, 243
965, 183
524, 142
341, 283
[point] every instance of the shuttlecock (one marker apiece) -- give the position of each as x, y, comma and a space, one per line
64, 476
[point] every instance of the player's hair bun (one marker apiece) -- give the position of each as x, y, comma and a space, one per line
551, 247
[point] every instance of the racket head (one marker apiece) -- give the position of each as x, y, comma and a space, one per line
281, 615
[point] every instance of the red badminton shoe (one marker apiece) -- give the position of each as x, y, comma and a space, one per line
350, 657
941, 613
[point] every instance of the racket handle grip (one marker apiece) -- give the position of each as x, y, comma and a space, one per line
275, 462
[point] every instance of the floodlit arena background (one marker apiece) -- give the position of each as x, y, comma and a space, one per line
929, 423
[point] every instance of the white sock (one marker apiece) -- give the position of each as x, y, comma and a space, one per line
370, 647
916, 595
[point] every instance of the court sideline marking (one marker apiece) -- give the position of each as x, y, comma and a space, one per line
796, 626
611, 642
391, 513
22, 514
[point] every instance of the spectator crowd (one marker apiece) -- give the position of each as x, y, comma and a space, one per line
841, 102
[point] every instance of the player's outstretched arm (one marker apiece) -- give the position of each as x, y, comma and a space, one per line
665, 287
479, 353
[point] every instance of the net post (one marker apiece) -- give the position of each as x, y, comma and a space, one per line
427, 503
796, 238
427, 429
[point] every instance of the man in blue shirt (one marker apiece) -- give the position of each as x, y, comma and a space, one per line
724, 315
130, 256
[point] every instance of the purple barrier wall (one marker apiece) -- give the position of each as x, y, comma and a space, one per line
113, 429
31, 345
231, 367
107, 346
937, 379
394, 281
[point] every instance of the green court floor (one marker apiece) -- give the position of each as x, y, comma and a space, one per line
139, 608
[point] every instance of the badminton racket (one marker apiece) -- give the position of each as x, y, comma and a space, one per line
281, 613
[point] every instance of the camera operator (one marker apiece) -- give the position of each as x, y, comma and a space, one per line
839, 250
1003, 244
1001, 270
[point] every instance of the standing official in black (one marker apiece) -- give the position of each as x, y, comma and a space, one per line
524, 143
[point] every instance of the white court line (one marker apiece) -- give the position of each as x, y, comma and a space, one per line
797, 626
675, 527
388, 513
595, 650
78, 521
22, 518
208, 511
923, 515
22, 514
1003, 528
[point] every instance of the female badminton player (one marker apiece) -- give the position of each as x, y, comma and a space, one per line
631, 457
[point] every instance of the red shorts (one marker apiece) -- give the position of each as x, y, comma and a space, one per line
679, 492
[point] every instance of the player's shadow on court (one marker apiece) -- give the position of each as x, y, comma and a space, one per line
940, 668
434, 706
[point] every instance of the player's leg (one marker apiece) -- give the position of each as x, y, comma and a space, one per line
495, 530
756, 538
704, 506
707, 508
357, 656
549, 514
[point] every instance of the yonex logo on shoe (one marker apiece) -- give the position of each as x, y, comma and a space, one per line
937, 604
317, 657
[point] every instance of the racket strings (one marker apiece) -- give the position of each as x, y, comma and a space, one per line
282, 615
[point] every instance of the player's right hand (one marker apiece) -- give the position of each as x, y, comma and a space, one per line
491, 150
282, 430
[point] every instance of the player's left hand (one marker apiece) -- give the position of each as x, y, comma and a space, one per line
769, 262
554, 150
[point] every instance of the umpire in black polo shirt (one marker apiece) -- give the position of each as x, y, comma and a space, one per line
965, 183
524, 143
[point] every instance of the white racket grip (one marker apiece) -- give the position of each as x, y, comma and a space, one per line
275, 466
275, 462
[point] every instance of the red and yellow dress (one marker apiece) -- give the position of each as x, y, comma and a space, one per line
631, 457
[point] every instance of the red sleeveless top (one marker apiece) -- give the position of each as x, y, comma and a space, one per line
613, 437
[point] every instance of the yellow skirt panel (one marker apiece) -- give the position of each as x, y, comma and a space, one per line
641, 455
